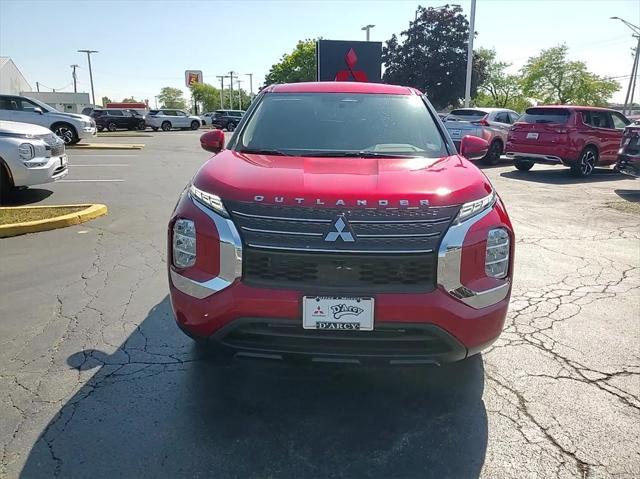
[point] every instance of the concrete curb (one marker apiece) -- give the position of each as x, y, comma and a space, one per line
91, 211
107, 146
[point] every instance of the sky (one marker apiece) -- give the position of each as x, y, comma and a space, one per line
145, 45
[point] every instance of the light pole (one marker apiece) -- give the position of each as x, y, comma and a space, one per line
239, 82
231, 73
89, 52
367, 28
222, 77
467, 85
75, 79
156, 97
250, 75
628, 99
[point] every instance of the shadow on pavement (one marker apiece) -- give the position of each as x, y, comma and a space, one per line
175, 413
562, 176
630, 195
26, 197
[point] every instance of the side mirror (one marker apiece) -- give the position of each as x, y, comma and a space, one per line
38, 110
213, 141
473, 147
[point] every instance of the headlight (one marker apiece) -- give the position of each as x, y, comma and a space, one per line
26, 151
212, 201
474, 207
86, 124
496, 262
184, 243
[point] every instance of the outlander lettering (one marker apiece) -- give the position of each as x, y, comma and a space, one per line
341, 224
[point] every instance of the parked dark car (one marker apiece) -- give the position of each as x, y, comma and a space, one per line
629, 154
580, 137
113, 119
227, 119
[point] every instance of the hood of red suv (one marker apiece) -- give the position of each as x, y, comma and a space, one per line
305, 181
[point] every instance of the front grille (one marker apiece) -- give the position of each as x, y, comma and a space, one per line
340, 272
398, 231
386, 340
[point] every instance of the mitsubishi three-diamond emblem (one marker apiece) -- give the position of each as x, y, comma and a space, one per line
342, 231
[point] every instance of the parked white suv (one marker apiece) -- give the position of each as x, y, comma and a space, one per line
70, 127
168, 118
29, 155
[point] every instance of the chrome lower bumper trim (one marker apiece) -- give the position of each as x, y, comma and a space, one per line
197, 289
450, 265
536, 157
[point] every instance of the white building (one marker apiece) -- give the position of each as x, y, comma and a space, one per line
63, 101
12, 82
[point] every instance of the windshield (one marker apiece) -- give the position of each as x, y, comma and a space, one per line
339, 124
466, 115
44, 106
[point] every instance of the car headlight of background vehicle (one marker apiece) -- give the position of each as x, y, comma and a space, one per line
26, 151
211, 201
184, 243
473, 208
496, 263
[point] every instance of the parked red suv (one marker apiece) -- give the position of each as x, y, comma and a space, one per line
340, 225
576, 136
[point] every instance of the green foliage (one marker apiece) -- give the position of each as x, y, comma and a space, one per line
297, 66
433, 56
129, 100
172, 98
551, 78
209, 97
105, 100
499, 89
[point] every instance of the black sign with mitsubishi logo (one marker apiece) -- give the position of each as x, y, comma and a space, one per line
339, 60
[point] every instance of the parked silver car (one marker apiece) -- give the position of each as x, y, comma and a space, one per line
168, 118
29, 155
492, 124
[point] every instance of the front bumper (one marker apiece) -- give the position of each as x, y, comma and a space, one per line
87, 132
628, 165
52, 169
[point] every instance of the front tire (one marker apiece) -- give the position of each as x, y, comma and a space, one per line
231, 127
523, 165
112, 127
6, 186
195, 125
142, 126
66, 133
493, 155
586, 163
166, 126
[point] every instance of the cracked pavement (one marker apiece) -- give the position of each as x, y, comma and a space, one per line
97, 381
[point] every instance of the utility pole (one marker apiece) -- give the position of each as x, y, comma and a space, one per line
89, 52
222, 77
628, 99
472, 32
367, 28
75, 79
239, 82
231, 73
250, 75
156, 98
38, 86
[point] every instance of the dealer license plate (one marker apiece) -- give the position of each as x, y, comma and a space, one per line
455, 133
532, 136
337, 313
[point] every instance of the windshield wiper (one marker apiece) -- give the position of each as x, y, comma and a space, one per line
359, 154
264, 151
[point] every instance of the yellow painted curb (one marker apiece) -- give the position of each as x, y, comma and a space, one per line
123, 135
91, 211
107, 146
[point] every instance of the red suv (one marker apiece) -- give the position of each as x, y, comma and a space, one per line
340, 225
576, 136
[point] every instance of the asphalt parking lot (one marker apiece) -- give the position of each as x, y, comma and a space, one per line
97, 381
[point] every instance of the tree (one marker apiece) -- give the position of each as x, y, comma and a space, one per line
209, 97
551, 78
129, 100
433, 56
105, 100
172, 98
499, 89
297, 66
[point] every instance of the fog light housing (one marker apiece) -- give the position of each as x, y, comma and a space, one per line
26, 151
184, 243
496, 263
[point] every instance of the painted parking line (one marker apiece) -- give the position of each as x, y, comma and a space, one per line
100, 165
103, 156
90, 181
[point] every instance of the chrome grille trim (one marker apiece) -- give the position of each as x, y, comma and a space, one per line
280, 218
322, 250
277, 232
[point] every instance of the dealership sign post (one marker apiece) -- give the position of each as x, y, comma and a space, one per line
193, 77
338, 60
